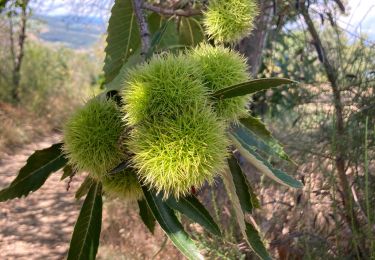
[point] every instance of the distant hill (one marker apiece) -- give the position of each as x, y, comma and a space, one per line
73, 31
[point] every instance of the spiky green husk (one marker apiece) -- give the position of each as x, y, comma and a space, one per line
91, 138
221, 68
164, 87
230, 20
172, 155
124, 185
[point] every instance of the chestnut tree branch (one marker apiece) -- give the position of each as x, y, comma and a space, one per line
143, 27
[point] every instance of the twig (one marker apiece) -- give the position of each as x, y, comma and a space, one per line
171, 12
143, 27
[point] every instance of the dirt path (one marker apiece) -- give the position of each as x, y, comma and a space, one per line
40, 226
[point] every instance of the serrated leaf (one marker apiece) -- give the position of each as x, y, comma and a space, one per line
39, 166
171, 226
256, 245
190, 31
146, 215
256, 242
241, 185
263, 165
123, 38
191, 207
84, 188
257, 128
258, 143
85, 240
251, 87
67, 172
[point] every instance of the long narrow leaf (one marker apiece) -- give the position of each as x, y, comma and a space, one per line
241, 185
256, 127
86, 234
263, 165
255, 244
34, 174
258, 143
251, 87
146, 215
191, 207
171, 226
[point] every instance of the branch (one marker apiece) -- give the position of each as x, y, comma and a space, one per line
171, 12
143, 27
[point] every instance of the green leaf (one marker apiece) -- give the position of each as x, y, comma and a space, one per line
255, 244
123, 38
251, 87
67, 172
34, 174
146, 215
263, 165
170, 224
191, 207
241, 185
191, 32
264, 137
164, 33
84, 188
85, 239
253, 140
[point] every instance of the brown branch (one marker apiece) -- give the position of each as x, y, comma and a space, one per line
143, 27
171, 12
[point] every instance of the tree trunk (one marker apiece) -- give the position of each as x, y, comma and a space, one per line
16, 75
253, 45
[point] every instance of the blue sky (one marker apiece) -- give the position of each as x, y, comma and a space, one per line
360, 18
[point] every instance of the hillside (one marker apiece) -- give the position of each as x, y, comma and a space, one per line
75, 32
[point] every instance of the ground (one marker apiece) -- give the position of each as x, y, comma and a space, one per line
40, 226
